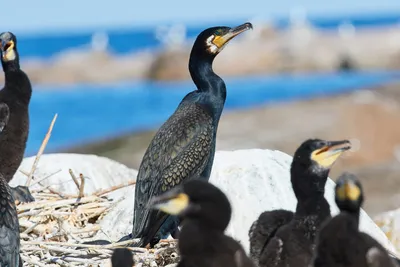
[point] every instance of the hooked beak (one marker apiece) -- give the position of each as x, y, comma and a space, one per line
172, 202
220, 41
327, 155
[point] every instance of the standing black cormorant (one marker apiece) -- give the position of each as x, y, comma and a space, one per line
206, 213
339, 241
184, 146
9, 226
122, 257
285, 239
16, 94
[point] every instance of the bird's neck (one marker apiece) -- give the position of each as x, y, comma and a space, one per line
18, 83
205, 78
352, 217
195, 236
309, 189
11, 66
313, 205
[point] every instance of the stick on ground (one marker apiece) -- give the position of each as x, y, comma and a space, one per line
41, 150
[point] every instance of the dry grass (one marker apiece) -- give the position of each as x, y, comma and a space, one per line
52, 227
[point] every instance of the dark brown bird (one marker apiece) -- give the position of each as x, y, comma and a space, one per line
340, 243
206, 213
184, 146
279, 238
9, 225
16, 94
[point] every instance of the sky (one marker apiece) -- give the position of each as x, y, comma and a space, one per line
45, 15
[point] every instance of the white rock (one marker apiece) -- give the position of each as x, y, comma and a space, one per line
99, 172
257, 180
254, 180
389, 222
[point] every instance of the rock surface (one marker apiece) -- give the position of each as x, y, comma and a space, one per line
254, 180
99, 172
389, 222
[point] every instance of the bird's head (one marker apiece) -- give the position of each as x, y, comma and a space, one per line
196, 199
348, 193
319, 154
8, 47
211, 41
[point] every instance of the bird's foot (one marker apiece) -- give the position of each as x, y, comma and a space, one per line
97, 242
22, 194
154, 242
175, 234
125, 238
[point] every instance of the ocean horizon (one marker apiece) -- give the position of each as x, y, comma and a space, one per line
123, 40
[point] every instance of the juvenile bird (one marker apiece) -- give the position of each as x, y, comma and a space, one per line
281, 238
340, 243
206, 213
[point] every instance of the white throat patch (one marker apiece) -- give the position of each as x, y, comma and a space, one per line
211, 47
9, 55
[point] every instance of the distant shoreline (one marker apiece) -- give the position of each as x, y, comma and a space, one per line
300, 48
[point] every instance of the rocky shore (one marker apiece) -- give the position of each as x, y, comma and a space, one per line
299, 48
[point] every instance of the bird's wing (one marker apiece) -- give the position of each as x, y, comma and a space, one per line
272, 254
179, 150
4, 115
9, 228
264, 229
9, 247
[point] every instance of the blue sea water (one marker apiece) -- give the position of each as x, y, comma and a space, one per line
129, 40
90, 112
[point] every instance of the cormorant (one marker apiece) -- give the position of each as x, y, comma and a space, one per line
184, 146
284, 239
122, 257
339, 242
206, 213
16, 94
9, 225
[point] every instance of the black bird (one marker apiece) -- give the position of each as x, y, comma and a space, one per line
206, 213
339, 242
122, 257
16, 94
9, 226
184, 146
284, 239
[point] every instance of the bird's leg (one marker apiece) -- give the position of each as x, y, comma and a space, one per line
154, 241
175, 233
22, 194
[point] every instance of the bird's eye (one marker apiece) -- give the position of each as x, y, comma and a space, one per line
218, 32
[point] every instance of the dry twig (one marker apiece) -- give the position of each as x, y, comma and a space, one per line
41, 150
82, 186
